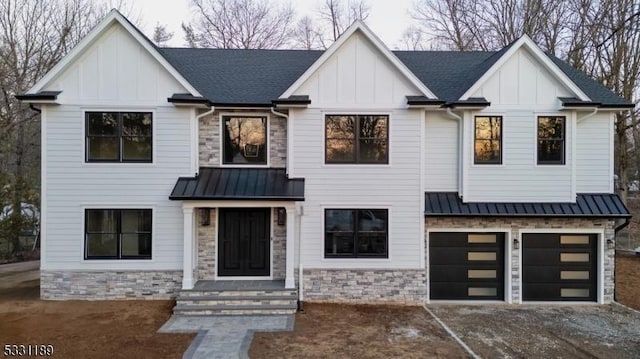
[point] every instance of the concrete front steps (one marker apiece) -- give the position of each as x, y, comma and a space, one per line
236, 301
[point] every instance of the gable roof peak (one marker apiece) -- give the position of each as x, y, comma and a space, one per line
359, 25
114, 16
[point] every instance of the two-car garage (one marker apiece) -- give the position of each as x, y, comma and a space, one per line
471, 266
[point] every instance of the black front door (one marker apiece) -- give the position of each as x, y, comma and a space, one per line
243, 237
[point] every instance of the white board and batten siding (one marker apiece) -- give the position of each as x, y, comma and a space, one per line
442, 155
357, 79
594, 154
521, 90
114, 74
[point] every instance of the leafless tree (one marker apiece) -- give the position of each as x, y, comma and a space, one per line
34, 36
160, 35
413, 39
239, 24
306, 35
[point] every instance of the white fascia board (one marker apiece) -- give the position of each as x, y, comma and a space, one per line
93, 35
525, 41
359, 26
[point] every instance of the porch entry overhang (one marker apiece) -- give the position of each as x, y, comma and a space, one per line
226, 188
444, 204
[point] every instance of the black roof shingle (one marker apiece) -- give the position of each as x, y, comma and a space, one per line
257, 77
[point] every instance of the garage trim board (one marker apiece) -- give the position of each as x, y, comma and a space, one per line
568, 231
505, 233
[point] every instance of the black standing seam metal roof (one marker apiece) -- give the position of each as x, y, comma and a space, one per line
239, 184
257, 77
586, 205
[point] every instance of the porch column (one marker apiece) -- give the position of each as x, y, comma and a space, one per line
289, 281
187, 255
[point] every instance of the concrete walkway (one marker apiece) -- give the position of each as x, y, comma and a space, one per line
224, 336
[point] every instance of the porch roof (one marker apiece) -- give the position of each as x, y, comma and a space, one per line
586, 205
269, 184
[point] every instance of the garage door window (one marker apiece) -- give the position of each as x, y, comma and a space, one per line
356, 233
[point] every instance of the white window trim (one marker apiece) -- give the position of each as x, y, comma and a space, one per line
221, 117
600, 259
117, 262
363, 261
352, 112
154, 126
508, 254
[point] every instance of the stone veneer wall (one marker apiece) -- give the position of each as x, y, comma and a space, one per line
403, 286
209, 141
206, 268
279, 247
95, 285
516, 224
207, 260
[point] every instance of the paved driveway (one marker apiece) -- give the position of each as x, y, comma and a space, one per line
20, 280
579, 331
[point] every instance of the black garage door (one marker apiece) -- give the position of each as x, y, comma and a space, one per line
559, 267
466, 266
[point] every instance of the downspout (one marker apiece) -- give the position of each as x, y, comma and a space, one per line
461, 148
589, 115
33, 108
286, 117
198, 117
622, 226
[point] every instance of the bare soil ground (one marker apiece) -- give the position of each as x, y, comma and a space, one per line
359, 331
628, 280
84, 329
544, 331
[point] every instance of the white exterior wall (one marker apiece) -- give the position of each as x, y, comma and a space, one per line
442, 153
520, 91
357, 79
594, 154
115, 74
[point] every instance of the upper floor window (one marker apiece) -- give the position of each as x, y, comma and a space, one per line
357, 139
245, 140
551, 140
118, 136
117, 233
488, 140
350, 233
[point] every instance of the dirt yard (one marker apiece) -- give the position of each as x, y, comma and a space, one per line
359, 331
628, 280
83, 329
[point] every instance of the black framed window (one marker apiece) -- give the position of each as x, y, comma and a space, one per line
551, 140
357, 139
117, 234
245, 140
119, 136
488, 140
356, 233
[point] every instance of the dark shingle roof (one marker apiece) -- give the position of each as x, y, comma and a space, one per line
256, 77
239, 184
249, 77
587, 205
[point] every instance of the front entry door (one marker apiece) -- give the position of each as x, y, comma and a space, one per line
244, 240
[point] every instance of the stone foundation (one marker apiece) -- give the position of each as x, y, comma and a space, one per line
402, 286
101, 285
516, 224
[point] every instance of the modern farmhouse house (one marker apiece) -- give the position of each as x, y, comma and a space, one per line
352, 174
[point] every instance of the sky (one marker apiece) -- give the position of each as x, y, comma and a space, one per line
388, 18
